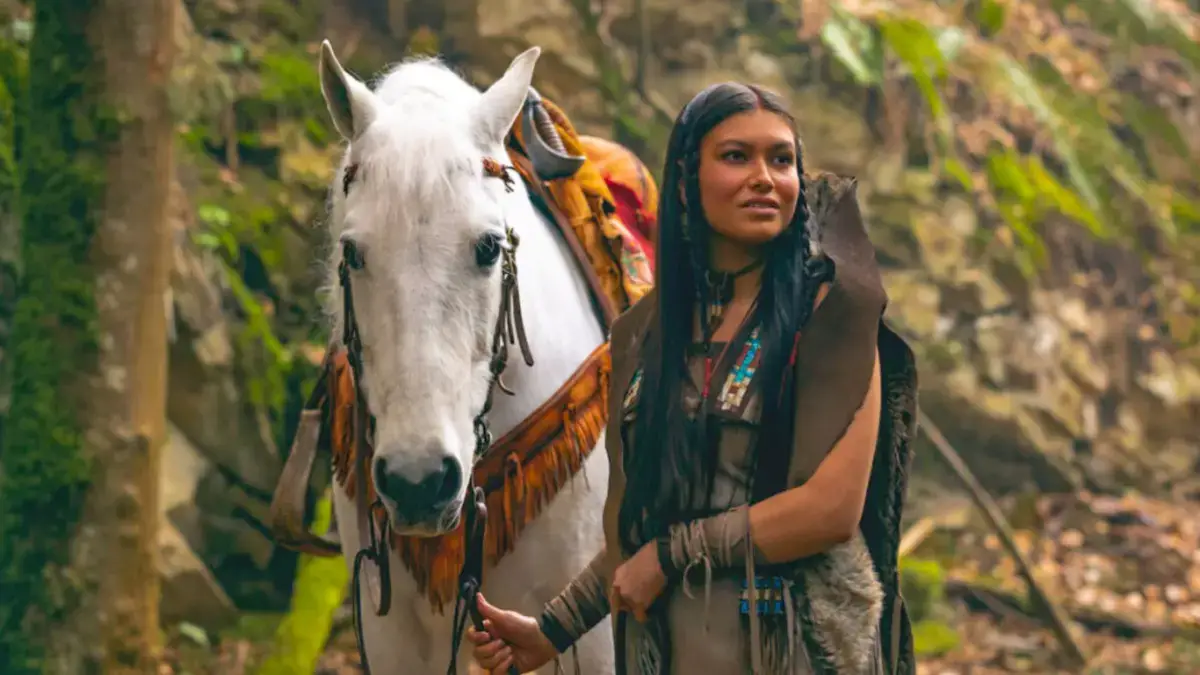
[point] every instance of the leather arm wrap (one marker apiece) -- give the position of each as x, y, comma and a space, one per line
721, 542
580, 606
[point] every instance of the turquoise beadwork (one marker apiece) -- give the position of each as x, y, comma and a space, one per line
737, 383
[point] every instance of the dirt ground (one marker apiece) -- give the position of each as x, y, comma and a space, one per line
1126, 569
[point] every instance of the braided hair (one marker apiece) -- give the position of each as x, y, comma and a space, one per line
672, 463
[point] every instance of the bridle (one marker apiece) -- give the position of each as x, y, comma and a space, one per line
371, 562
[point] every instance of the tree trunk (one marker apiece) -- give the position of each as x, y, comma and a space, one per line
79, 474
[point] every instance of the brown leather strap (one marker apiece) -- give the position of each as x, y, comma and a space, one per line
287, 513
606, 309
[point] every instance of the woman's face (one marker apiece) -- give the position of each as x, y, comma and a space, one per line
748, 178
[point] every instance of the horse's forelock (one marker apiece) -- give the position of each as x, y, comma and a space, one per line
410, 163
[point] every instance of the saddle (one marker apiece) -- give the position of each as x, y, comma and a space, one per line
632, 186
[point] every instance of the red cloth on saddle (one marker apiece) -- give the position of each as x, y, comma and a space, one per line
628, 205
632, 187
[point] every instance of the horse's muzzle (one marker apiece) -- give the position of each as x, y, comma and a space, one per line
420, 492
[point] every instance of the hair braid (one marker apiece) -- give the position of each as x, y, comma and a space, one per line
696, 226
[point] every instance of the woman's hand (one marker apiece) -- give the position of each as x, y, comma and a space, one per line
509, 639
638, 582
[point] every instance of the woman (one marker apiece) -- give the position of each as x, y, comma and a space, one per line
750, 447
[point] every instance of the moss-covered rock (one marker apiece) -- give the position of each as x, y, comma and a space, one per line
44, 472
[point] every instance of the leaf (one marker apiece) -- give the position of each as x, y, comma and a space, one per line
956, 170
213, 215
917, 47
1015, 199
1186, 212
854, 45
1064, 200
194, 633
991, 15
1023, 89
207, 240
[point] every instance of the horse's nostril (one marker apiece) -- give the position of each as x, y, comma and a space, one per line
451, 478
381, 477
420, 485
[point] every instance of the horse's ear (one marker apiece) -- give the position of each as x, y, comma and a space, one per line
502, 102
351, 104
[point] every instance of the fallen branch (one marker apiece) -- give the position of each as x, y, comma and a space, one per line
1051, 611
1006, 605
916, 535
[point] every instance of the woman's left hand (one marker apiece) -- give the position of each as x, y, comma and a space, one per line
637, 583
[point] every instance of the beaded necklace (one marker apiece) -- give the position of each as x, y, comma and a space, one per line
720, 291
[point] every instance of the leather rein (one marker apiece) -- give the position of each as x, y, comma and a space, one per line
371, 563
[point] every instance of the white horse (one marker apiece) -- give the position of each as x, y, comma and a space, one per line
417, 208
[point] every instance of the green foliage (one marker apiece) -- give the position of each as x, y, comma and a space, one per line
1076, 121
321, 586
294, 19
265, 360
13, 73
933, 638
1091, 160
922, 583
1133, 23
12, 83
246, 220
14, 66
249, 220
289, 78
290, 87
45, 471
856, 45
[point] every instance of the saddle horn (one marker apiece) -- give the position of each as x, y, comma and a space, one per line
546, 152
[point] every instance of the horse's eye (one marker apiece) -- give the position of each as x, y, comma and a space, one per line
488, 249
354, 254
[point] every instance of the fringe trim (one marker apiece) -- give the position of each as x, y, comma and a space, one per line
339, 411
520, 474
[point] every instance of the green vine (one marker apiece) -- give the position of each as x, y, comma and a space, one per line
44, 469
248, 221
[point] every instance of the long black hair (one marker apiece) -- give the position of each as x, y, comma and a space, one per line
671, 465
